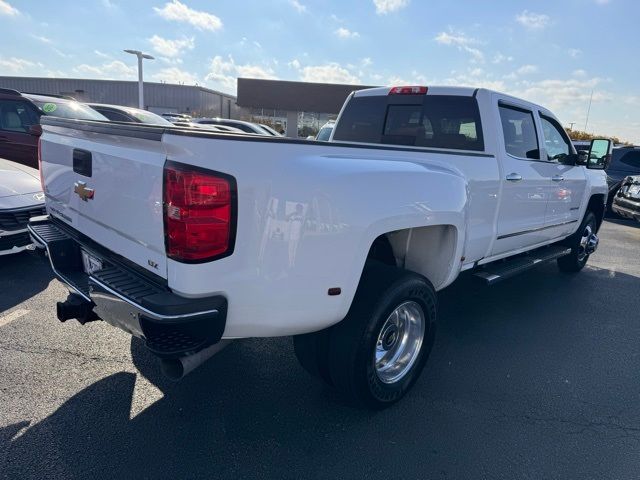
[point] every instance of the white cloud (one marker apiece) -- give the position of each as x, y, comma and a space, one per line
300, 8
179, 12
527, 69
579, 73
109, 70
574, 52
562, 93
366, 62
171, 48
15, 65
461, 42
388, 6
101, 54
500, 58
533, 21
41, 38
224, 73
295, 63
175, 75
7, 9
328, 73
346, 33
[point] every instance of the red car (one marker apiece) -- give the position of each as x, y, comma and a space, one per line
20, 121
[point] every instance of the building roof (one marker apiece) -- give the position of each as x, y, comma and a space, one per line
296, 96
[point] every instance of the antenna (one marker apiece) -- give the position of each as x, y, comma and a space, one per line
588, 111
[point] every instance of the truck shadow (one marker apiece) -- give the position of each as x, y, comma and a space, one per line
253, 413
22, 276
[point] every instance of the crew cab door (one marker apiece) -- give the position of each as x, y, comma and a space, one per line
568, 182
525, 179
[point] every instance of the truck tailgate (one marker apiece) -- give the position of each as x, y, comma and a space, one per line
108, 186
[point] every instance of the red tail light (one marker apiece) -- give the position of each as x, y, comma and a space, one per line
408, 91
199, 213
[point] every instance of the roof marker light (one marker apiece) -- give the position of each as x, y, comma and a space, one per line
410, 90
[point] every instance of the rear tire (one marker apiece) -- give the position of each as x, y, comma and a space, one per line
577, 259
379, 350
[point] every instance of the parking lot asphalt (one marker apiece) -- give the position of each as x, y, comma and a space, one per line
537, 377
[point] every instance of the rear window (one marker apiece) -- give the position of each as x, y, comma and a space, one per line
436, 121
69, 109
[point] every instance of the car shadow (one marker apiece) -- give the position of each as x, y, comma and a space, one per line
252, 413
22, 276
618, 220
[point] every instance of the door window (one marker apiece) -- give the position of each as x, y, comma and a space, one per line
16, 116
519, 130
556, 142
631, 159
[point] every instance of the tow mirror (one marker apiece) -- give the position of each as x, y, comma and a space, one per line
35, 130
599, 154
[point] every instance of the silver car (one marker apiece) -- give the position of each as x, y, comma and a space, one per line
21, 198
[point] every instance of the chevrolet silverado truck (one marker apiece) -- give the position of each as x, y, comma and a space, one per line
189, 239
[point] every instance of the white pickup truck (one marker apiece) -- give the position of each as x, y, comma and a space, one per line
188, 239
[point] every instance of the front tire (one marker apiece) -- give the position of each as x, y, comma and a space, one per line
580, 246
379, 350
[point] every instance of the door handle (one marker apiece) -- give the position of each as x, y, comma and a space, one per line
557, 178
514, 177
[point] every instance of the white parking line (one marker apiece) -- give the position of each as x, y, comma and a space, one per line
10, 317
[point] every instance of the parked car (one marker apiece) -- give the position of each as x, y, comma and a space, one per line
626, 202
625, 161
211, 128
246, 127
119, 113
325, 131
270, 130
21, 198
342, 244
177, 117
20, 118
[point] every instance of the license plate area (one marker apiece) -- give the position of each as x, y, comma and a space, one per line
90, 262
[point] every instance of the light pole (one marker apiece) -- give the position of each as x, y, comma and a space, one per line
140, 56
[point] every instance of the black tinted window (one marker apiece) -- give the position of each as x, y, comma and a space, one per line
631, 159
437, 121
519, 130
114, 116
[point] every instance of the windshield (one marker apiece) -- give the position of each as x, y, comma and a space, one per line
324, 134
150, 118
69, 109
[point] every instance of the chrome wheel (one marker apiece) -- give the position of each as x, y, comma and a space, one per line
588, 243
399, 342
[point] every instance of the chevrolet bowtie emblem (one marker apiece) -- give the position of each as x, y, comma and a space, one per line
83, 192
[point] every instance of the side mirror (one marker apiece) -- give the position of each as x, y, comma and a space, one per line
599, 154
35, 130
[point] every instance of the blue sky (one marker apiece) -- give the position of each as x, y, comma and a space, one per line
552, 52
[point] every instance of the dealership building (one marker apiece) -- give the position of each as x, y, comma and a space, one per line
158, 97
298, 108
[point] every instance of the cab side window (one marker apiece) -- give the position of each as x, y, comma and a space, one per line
16, 116
556, 142
519, 130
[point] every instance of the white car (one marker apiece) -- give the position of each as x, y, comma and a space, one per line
21, 198
189, 239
